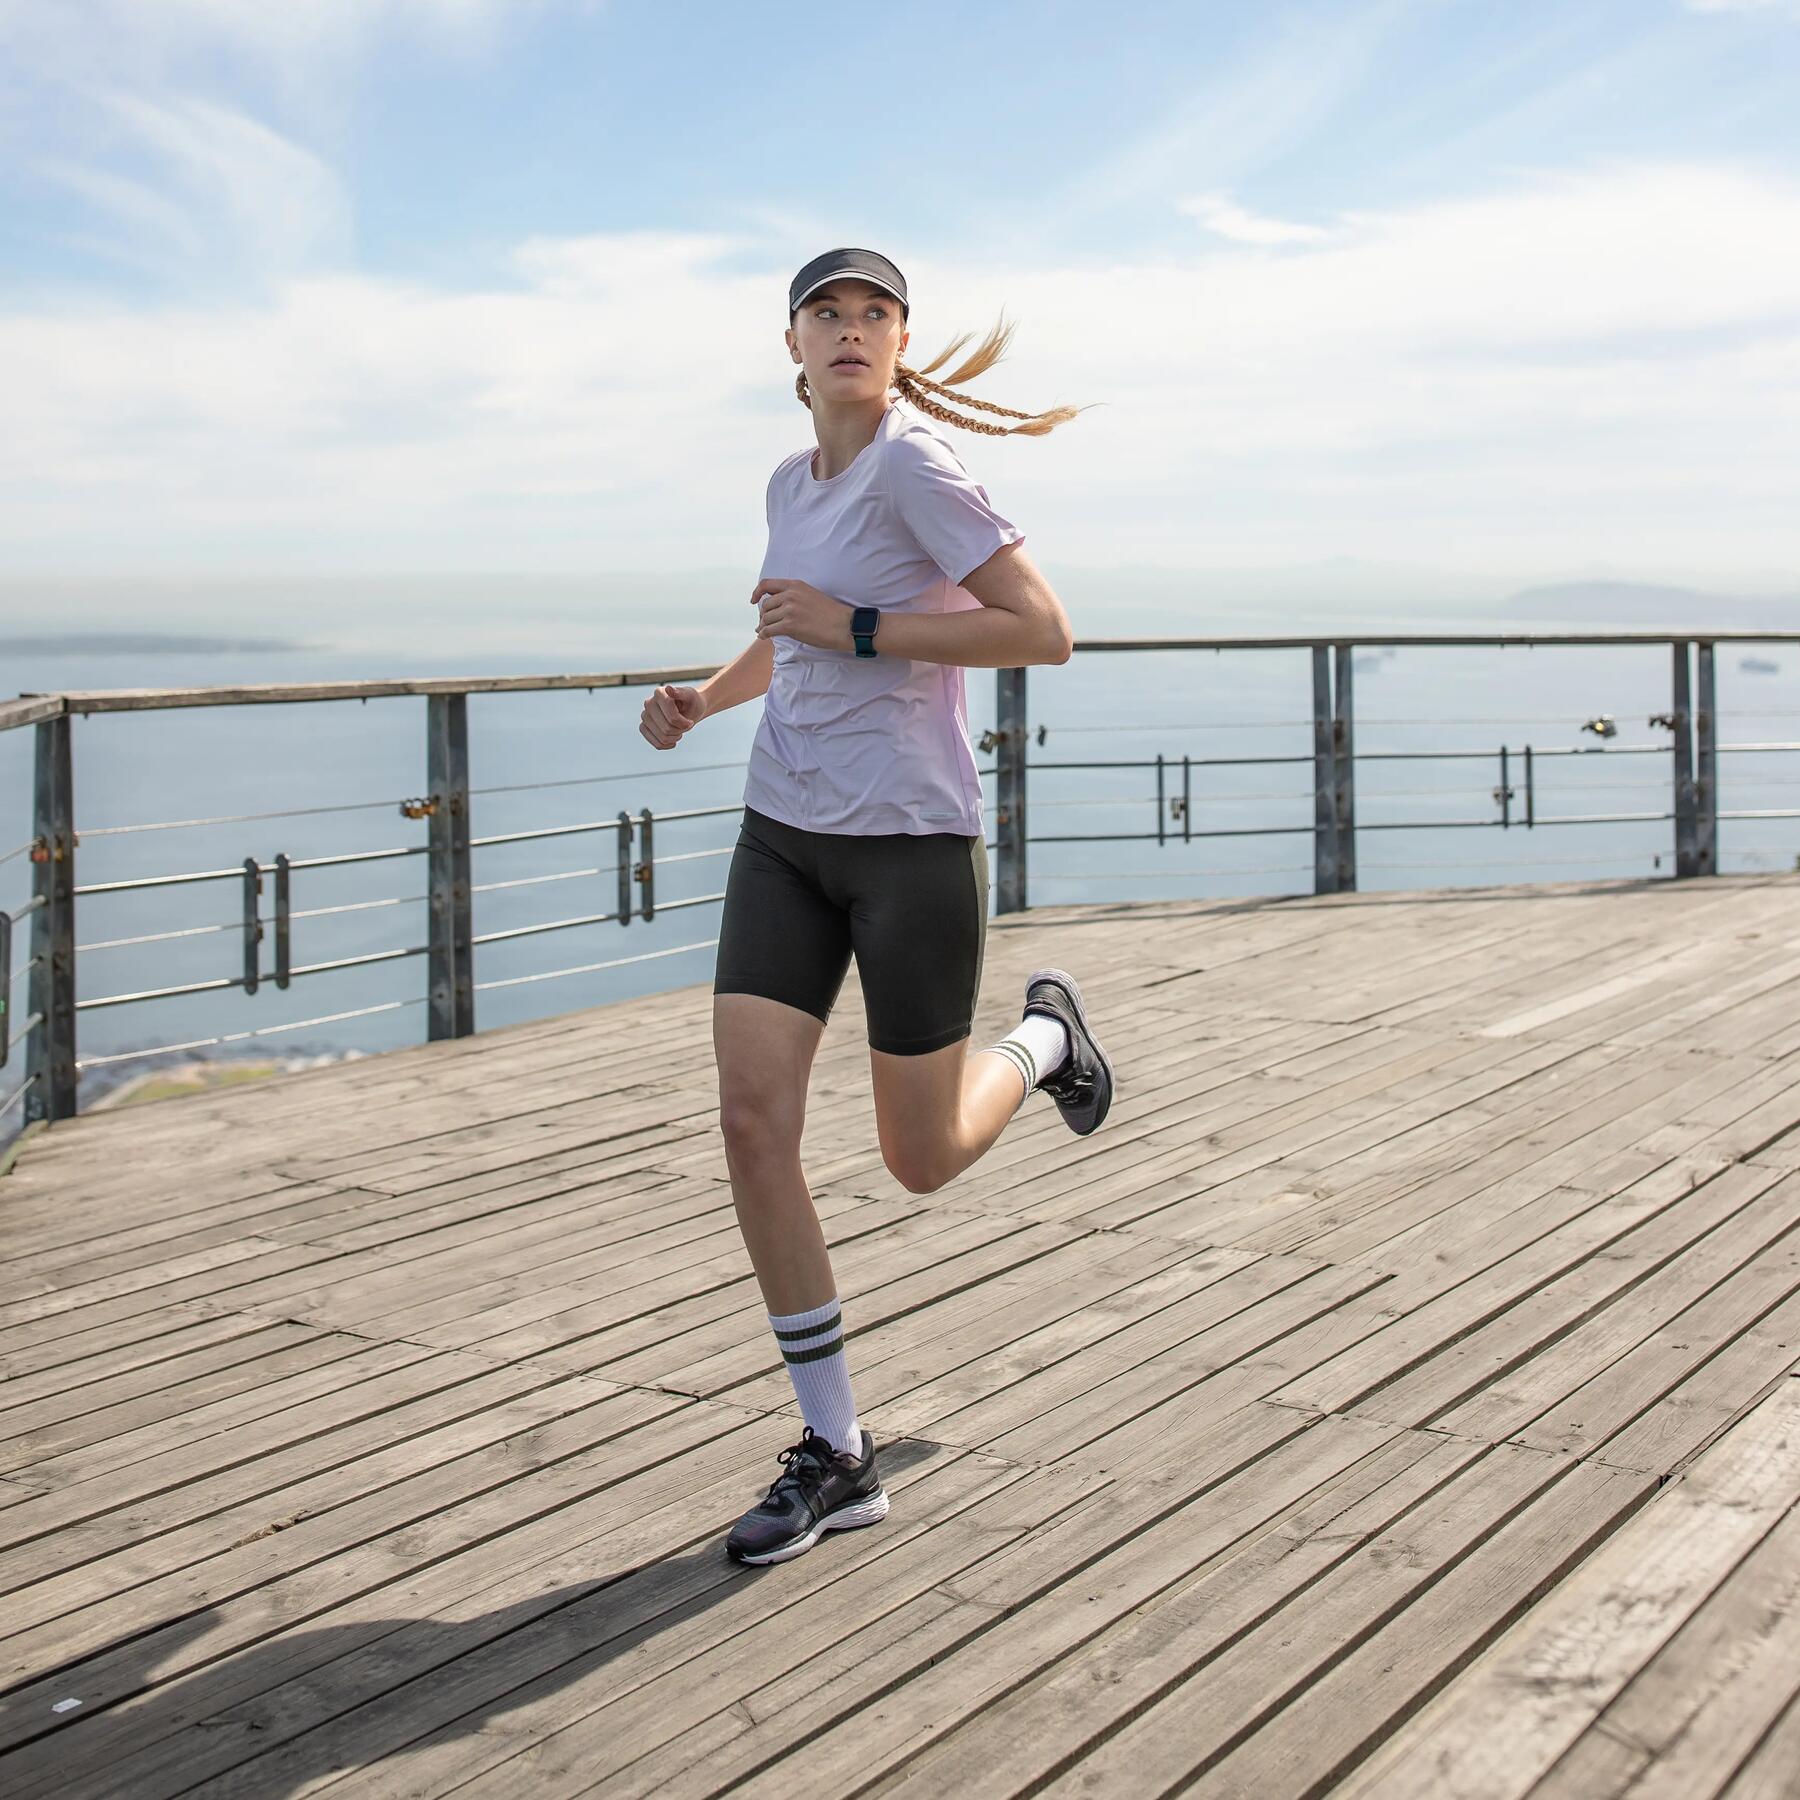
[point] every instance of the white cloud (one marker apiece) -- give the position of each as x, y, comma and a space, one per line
219, 191
296, 61
197, 134
1256, 108
1220, 214
1587, 368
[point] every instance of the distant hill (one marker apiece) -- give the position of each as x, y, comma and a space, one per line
143, 643
1647, 605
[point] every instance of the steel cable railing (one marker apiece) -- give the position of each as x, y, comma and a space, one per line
1191, 799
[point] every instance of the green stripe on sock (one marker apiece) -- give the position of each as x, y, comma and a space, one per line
806, 1331
1022, 1060
818, 1352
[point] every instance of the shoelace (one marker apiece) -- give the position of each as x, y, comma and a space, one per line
811, 1449
1071, 1084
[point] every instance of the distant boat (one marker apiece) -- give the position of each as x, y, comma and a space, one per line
1758, 665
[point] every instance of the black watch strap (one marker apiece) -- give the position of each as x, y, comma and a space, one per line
863, 620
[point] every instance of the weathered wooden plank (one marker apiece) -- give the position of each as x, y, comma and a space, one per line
1030, 1732
1768, 1772
161, 1451
1394, 1563
907, 1265
684, 1625
1333, 1723
894, 1356
1472, 1162
1647, 1277
84, 1415
1171, 1360
1458, 1308
71, 1526
1700, 1706
1502, 1724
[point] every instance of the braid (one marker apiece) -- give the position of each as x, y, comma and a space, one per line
905, 381
913, 383
904, 378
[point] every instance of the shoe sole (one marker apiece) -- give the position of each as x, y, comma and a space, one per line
870, 1511
1065, 980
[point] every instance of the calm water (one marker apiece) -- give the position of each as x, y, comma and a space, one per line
328, 778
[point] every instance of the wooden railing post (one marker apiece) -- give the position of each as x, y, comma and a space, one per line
50, 1055
1009, 798
451, 955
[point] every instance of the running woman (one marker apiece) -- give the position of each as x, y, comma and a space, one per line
887, 574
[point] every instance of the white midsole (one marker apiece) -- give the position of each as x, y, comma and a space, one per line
865, 1512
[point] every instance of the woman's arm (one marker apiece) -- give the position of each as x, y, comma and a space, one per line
746, 677
1021, 621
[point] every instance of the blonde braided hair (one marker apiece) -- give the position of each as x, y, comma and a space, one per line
913, 383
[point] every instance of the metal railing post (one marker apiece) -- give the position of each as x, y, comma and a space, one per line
50, 1056
252, 925
1682, 714
450, 954
1325, 851
646, 869
1009, 837
1343, 750
1706, 772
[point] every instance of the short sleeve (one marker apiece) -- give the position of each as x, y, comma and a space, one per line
943, 506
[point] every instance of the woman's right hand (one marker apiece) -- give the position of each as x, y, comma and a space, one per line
670, 713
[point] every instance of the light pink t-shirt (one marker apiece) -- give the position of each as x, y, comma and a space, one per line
881, 743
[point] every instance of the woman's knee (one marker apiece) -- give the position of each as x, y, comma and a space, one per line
918, 1169
757, 1126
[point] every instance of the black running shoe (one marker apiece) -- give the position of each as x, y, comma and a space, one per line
820, 1490
1083, 1086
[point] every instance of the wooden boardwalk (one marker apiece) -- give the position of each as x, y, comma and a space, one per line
1396, 1397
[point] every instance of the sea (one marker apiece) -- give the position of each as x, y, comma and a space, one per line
168, 793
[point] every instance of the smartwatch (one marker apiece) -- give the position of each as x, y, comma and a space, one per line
863, 620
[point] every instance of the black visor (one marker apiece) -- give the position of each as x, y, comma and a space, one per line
865, 265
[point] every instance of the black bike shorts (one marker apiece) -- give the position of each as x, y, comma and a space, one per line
913, 908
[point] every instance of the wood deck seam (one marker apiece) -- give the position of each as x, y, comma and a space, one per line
1599, 1304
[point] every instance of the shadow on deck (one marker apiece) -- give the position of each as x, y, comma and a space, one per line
1393, 1398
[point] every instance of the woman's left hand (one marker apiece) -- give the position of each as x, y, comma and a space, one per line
796, 610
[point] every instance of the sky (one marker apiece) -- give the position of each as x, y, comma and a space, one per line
1508, 287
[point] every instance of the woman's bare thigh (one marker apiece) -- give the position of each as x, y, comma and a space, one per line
765, 1051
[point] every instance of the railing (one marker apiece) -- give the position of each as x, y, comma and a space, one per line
48, 1029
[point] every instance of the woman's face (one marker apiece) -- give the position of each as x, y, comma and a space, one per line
848, 336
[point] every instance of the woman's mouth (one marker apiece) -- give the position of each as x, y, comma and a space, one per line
849, 362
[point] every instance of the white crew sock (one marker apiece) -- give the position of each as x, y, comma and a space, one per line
812, 1343
1037, 1046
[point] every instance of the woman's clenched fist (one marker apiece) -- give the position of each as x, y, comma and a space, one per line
670, 713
